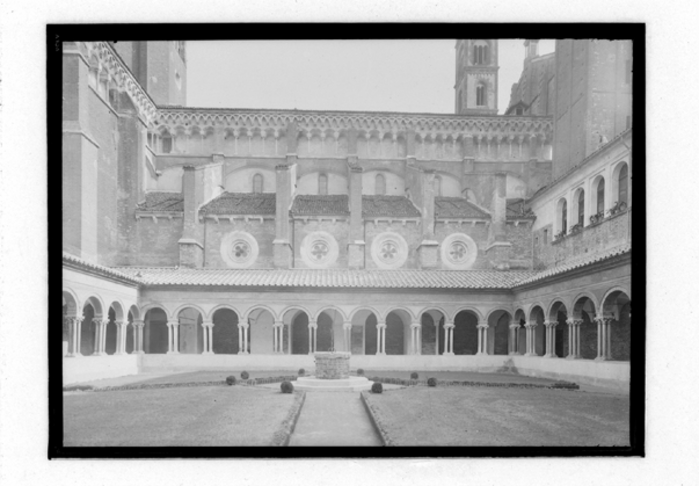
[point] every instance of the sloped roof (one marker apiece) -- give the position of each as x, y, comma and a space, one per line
367, 279
329, 205
162, 201
574, 264
518, 209
241, 203
388, 206
457, 207
74, 261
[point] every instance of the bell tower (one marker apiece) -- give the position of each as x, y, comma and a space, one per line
476, 87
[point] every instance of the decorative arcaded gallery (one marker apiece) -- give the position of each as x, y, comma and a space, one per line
215, 238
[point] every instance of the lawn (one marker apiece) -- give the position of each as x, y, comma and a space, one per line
199, 416
475, 416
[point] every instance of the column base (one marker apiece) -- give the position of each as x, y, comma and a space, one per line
512, 353
173, 352
530, 354
550, 356
138, 352
603, 358
570, 356
447, 354
76, 355
480, 354
207, 352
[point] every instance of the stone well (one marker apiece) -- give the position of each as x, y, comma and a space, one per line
332, 374
332, 366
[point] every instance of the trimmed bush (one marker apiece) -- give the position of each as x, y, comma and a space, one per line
230, 380
302, 372
287, 387
360, 372
432, 382
245, 375
377, 388
414, 375
252, 382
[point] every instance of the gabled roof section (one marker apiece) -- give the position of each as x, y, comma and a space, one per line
457, 208
241, 203
518, 209
162, 201
76, 262
388, 207
329, 205
304, 278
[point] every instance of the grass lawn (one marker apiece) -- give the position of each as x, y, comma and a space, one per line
205, 376
474, 416
460, 376
199, 416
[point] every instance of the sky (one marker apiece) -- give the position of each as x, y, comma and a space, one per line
358, 75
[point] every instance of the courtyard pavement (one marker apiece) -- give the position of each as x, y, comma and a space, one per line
334, 419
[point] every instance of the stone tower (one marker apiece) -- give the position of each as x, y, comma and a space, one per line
476, 87
160, 67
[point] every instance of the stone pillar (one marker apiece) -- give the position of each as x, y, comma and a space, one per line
191, 248
246, 331
512, 348
448, 337
138, 326
347, 328
428, 251
121, 337
241, 344
100, 328
278, 330
312, 338
531, 345
604, 341
208, 328
482, 338
381, 337
498, 250
416, 331
356, 246
550, 339
75, 329
574, 338
173, 337
283, 257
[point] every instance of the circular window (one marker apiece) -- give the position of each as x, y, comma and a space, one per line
389, 250
319, 249
459, 251
239, 249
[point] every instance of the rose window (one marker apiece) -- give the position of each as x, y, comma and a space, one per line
239, 249
319, 250
388, 250
459, 251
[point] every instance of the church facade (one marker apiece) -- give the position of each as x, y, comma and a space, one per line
201, 238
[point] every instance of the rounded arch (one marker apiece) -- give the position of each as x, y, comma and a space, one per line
155, 305
614, 289
364, 308
96, 304
536, 310
492, 311
615, 297
134, 311
561, 215
555, 307
582, 295
330, 308
182, 307
578, 206
219, 307
72, 303
399, 308
467, 308
617, 177
597, 191
519, 314
119, 312
263, 307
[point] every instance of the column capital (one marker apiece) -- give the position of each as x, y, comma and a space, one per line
243, 325
77, 319
530, 324
574, 322
604, 319
99, 320
207, 323
312, 323
173, 323
482, 325
548, 323
448, 324
278, 323
514, 325
347, 325
138, 323
416, 325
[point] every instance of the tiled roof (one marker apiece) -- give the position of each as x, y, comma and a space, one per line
72, 260
388, 206
162, 201
366, 279
457, 207
332, 205
576, 263
241, 203
517, 209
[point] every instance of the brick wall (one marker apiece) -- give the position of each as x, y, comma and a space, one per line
411, 232
155, 244
215, 232
339, 230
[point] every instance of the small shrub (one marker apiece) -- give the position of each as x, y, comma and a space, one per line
252, 382
245, 375
414, 375
230, 380
287, 387
360, 372
377, 388
432, 382
302, 372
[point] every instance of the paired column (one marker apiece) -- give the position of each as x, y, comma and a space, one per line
514, 330
121, 337
173, 337
448, 338
278, 331
381, 337
347, 330
604, 338
208, 327
138, 326
416, 338
243, 329
530, 336
482, 338
100, 335
574, 338
550, 339
75, 328
312, 335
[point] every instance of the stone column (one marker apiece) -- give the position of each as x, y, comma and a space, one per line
514, 328
138, 326
241, 346
283, 257
531, 344
121, 337
550, 339
416, 330
448, 338
604, 341
75, 327
574, 338
208, 327
356, 246
277, 330
312, 339
347, 328
246, 330
173, 337
381, 337
100, 327
482, 338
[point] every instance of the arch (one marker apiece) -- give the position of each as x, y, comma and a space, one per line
481, 52
617, 305
330, 308
380, 185
611, 300
298, 331
498, 332
537, 315
368, 308
597, 195
155, 333
579, 206
322, 184
119, 313
581, 295
72, 303
620, 180
411, 314
559, 313
432, 330
467, 308
229, 307
96, 304
481, 94
190, 331
465, 334
562, 215
519, 314
553, 309
491, 312
135, 312
182, 307
396, 334
154, 305
258, 183
225, 333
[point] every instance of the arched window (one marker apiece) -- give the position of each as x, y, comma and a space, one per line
166, 144
380, 185
322, 184
480, 95
624, 185
480, 54
438, 186
257, 184
564, 217
600, 196
581, 208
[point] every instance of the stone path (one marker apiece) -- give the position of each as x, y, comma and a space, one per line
334, 419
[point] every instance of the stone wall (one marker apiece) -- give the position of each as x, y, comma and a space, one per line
332, 366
